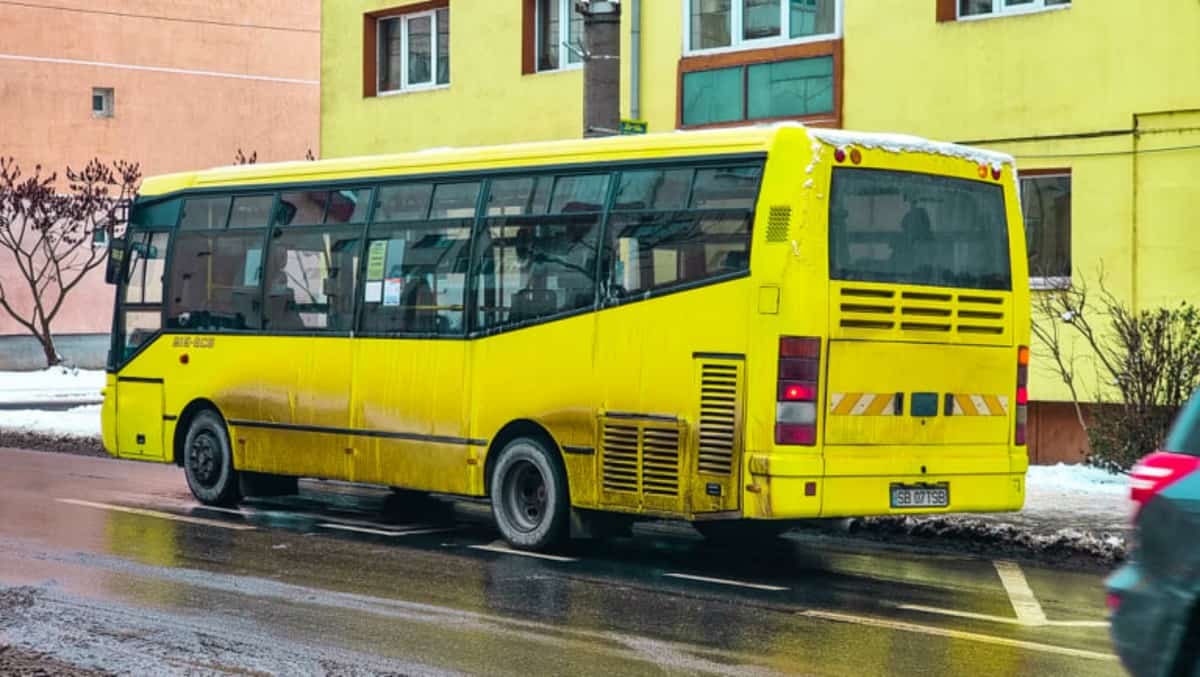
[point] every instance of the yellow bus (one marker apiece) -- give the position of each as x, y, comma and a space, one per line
739, 328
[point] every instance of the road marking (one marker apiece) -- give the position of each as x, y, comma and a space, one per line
1029, 611
956, 634
383, 532
999, 619
155, 513
216, 508
726, 581
523, 553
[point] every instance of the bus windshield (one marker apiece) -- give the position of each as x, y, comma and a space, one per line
921, 229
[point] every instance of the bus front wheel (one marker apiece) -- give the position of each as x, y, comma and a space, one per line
208, 461
529, 495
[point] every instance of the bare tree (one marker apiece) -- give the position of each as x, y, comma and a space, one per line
1146, 363
48, 236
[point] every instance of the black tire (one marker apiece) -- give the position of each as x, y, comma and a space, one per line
529, 495
740, 532
208, 461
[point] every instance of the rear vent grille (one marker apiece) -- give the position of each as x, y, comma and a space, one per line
719, 390
640, 457
882, 309
779, 223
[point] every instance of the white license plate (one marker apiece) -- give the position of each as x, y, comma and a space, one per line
920, 495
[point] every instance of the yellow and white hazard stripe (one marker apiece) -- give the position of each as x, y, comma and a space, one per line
970, 404
862, 404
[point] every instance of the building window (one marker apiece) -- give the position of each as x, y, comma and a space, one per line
102, 102
554, 34
414, 51
759, 91
974, 8
1046, 203
749, 24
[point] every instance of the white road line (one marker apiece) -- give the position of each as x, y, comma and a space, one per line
956, 634
382, 532
999, 619
523, 553
1029, 611
726, 581
155, 513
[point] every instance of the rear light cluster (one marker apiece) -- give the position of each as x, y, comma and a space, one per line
1156, 472
796, 390
1022, 395
855, 155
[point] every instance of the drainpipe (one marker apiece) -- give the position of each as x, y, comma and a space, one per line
635, 60
601, 67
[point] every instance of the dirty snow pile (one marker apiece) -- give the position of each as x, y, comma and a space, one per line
55, 384
1070, 510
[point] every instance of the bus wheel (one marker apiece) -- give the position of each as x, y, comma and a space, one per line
208, 461
529, 495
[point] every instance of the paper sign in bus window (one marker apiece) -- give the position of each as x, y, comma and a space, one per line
376, 258
373, 293
391, 291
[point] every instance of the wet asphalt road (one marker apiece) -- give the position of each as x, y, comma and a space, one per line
111, 565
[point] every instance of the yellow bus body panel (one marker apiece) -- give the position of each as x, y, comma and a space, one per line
427, 414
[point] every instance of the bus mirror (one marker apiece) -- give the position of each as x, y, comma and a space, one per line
116, 257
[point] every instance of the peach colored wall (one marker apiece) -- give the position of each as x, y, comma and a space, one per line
194, 81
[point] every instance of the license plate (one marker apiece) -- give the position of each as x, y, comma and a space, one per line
920, 495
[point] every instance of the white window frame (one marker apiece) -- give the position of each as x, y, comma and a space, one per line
1053, 282
739, 44
566, 8
1000, 8
405, 86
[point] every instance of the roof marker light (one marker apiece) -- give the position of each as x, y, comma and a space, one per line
855, 156
840, 155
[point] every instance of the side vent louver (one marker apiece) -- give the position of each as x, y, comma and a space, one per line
640, 457
718, 429
779, 223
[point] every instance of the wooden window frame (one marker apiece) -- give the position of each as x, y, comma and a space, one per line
529, 39
832, 48
1036, 282
371, 41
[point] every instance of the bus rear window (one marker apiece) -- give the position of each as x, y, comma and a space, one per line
921, 229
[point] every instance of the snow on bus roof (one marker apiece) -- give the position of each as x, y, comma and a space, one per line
903, 143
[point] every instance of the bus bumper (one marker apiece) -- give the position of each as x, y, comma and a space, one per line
795, 487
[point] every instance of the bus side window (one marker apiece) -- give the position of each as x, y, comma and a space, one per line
308, 272
416, 277
215, 272
531, 265
663, 235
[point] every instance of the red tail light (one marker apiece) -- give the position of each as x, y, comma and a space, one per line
796, 390
1156, 472
1022, 399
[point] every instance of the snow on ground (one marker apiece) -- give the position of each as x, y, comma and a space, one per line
76, 422
53, 384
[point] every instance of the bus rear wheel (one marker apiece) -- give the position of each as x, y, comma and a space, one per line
529, 495
208, 460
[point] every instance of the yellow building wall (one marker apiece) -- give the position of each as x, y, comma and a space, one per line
1080, 88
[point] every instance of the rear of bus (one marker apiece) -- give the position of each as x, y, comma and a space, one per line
900, 359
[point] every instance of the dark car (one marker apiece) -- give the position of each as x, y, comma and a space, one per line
1154, 599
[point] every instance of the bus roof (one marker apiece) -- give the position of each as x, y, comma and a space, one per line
726, 141
729, 141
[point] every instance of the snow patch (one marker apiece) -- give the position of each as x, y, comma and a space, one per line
903, 143
55, 383
77, 422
